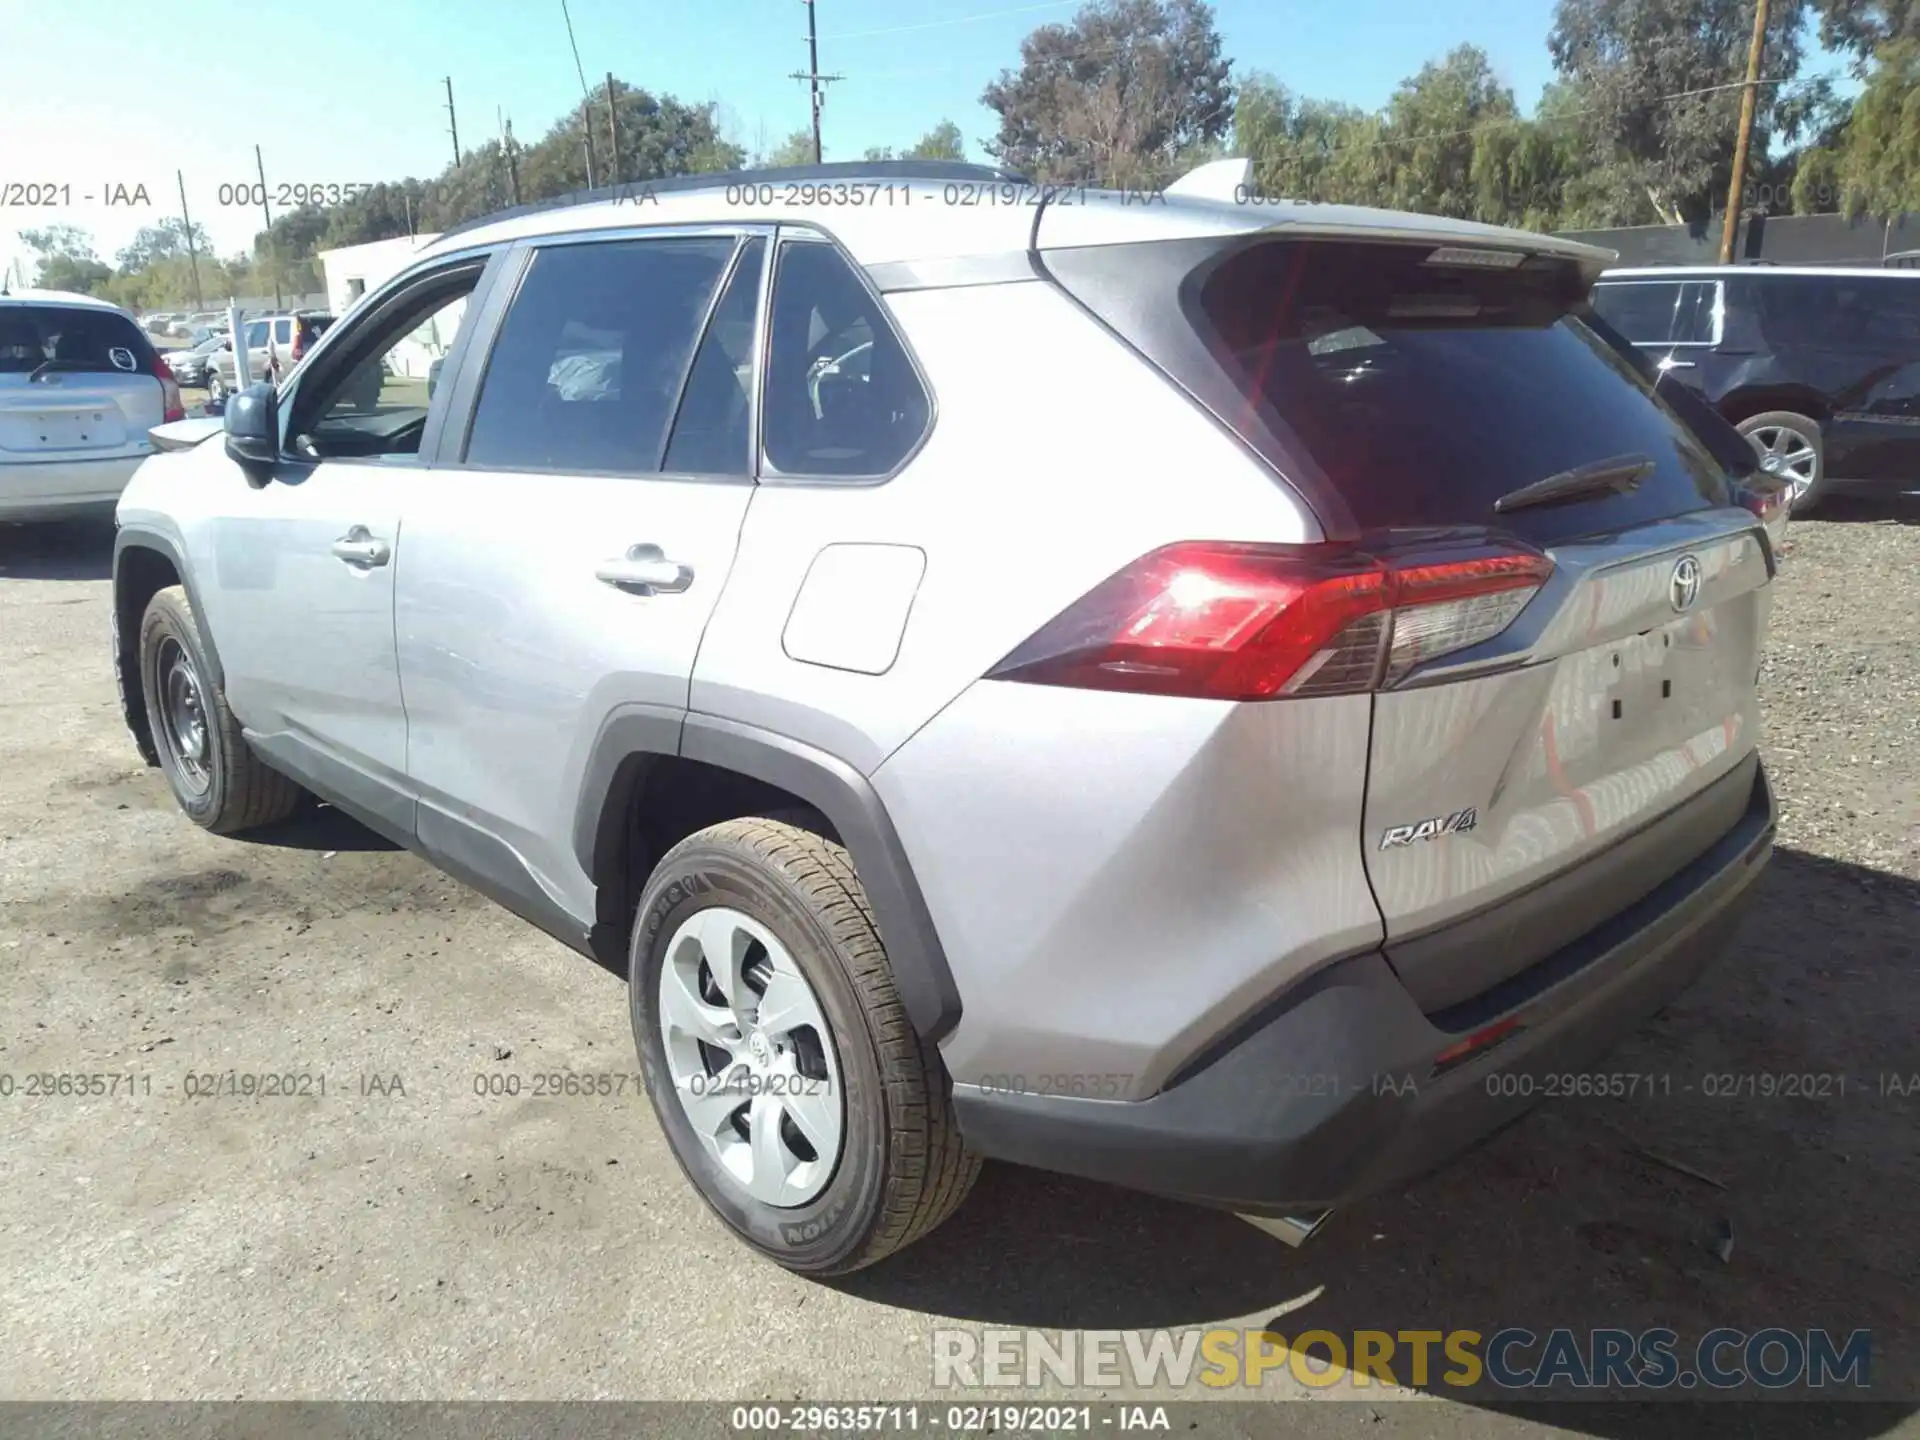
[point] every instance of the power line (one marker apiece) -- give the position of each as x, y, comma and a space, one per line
586, 96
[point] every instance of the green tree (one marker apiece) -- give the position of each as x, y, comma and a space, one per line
1860, 28
796, 149
1436, 123
1306, 149
1657, 101
1123, 95
943, 142
160, 242
66, 260
1875, 165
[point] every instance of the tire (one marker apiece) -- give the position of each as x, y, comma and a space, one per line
219, 782
1792, 435
216, 386
901, 1167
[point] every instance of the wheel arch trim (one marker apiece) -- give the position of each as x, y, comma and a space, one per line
824, 781
126, 636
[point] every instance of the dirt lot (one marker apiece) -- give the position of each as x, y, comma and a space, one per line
405, 1236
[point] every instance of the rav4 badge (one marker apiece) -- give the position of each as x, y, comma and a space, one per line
1429, 829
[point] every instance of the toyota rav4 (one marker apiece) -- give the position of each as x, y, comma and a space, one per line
1197, 695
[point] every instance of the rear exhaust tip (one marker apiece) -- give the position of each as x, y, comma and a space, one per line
1292, 1230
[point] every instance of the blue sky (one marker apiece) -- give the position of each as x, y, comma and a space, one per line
105, 93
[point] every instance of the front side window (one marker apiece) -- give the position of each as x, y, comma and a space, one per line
842, 397
592, 355
373, 402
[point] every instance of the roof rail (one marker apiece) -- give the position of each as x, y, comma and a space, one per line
948, 170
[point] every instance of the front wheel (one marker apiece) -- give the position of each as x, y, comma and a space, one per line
790, 1083
1791, 448
216, 778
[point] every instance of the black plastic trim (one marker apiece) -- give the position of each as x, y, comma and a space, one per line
1336, 1096
380, 805
851, 805
489, 865
629, 739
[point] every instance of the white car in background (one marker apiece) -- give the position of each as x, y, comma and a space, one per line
80, 386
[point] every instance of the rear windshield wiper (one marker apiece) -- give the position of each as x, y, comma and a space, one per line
1619, 474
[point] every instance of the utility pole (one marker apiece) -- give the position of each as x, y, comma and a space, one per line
813, 77
193, 255
260, 166
613, 130
453, 123
513, 163
1744, 138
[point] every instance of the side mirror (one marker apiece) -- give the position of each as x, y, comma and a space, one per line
253, 426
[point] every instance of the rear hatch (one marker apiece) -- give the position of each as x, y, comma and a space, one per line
76, 384
1438, 400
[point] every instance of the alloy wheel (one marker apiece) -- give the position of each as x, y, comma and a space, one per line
751, 1056
1788, 455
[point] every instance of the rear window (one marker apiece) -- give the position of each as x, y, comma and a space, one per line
1405, 393
78, 338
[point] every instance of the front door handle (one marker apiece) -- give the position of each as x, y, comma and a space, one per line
1672, 364
360, 549
644, 570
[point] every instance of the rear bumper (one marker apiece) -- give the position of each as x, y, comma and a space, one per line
46, 490
1335, 1095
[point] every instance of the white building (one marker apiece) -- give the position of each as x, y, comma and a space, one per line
353, 270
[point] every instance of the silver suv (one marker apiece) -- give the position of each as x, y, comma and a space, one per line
1205, 696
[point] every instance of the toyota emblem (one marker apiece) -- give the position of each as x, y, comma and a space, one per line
1684, 588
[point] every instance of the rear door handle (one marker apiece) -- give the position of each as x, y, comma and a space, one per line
1672, 364
645, 570
360, 549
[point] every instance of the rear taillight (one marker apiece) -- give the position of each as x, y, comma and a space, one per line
1771, 500
1256, 622
170, 400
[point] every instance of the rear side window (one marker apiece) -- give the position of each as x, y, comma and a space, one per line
592, 355
1641, 310
842, 397
1662, 312
74, 338
1838, 312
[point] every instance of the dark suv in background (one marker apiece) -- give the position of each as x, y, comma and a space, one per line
1818, 368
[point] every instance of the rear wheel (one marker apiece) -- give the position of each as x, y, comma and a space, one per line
1790, 448
790, 1084
217, 779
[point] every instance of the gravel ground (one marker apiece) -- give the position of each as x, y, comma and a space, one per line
423, 1240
